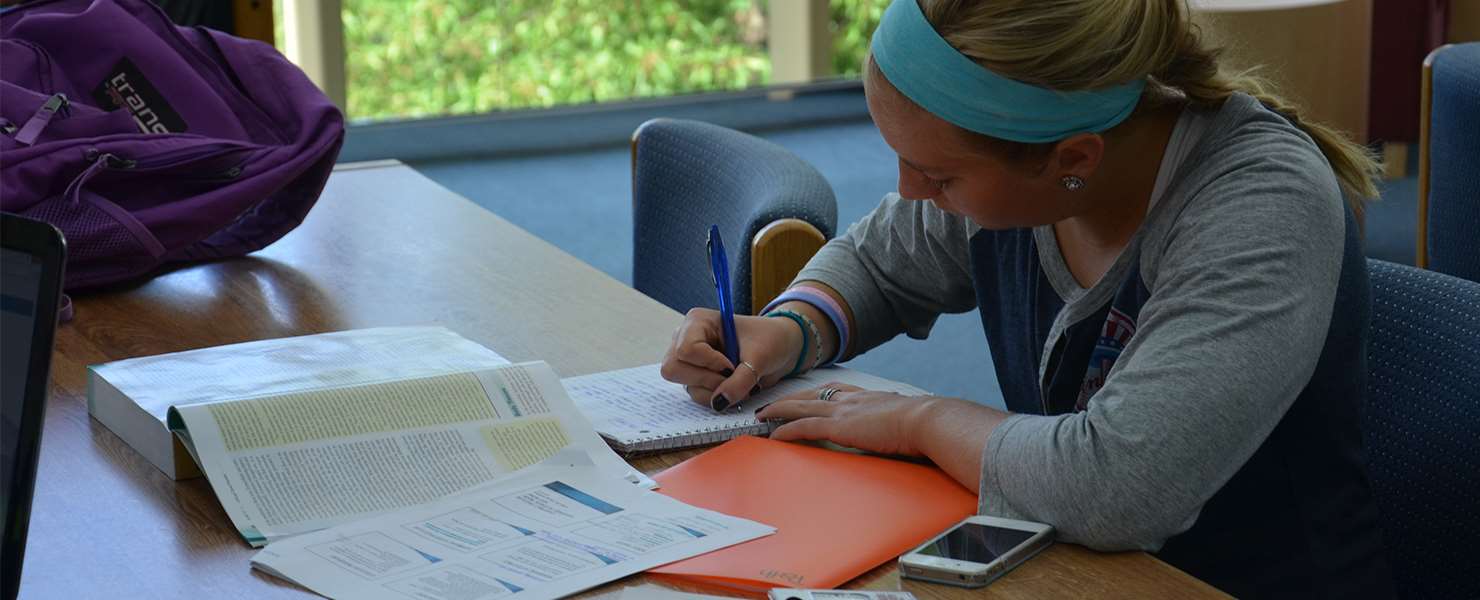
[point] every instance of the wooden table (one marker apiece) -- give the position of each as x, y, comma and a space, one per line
385, 246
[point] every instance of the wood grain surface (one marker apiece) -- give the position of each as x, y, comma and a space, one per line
385, 246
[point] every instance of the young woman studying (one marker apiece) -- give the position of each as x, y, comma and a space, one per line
1167, 263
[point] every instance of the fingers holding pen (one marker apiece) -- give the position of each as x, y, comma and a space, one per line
696, 342
767, 357
770, 351
690, 375
738, 387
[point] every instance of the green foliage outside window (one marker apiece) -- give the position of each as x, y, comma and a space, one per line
853, 23
412, 58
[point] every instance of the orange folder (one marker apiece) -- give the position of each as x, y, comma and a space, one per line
836, 514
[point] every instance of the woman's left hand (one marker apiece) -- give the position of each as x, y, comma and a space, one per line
882, 422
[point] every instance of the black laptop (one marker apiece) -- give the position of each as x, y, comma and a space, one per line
31, 258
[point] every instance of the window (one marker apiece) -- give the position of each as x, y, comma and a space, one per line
420, 58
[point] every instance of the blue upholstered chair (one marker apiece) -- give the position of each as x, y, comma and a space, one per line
1421, 427
1449, 162
773, 210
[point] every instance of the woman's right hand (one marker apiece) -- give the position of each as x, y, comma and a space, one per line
696, 358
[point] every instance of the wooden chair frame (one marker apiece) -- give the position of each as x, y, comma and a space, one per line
1425, 103
253, 19
777, 254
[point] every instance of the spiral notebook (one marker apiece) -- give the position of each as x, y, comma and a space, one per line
639, 412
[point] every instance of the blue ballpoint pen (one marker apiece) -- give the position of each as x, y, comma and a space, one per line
719, 269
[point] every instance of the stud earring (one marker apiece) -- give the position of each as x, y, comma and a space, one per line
1072, 183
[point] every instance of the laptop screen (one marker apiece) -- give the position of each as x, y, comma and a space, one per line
20, 290
32, 255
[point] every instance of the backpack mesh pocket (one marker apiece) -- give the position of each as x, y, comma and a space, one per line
102, 244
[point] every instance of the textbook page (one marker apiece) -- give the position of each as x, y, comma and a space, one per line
542, 533
291, 463
132, 397
282, 365
637, 403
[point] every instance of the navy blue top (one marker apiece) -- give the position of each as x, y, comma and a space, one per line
1297, 520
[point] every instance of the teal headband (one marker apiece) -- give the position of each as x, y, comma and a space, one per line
926, 69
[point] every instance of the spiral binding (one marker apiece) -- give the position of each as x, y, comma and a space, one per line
697, 437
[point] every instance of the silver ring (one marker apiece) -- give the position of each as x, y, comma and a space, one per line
753, 370
826, 394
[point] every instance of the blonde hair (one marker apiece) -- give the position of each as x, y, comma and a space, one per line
1087, 44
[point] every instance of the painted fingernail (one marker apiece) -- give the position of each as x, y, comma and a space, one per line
719, 403
762, 407
727, 373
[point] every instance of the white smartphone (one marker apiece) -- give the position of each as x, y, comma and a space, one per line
975, 551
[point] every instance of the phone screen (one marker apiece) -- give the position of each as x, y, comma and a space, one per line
975, 542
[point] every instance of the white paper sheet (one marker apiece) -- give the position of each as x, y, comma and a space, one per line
289, 464
544, 532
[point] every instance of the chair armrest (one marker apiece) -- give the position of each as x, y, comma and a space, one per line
1426, 97
777, 254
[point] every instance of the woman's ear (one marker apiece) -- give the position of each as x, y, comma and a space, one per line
1078, 155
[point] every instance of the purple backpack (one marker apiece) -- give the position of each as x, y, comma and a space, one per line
148, 143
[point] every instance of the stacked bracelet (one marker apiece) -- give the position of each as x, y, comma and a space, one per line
810, 326
828, 306
817, 335
801, 322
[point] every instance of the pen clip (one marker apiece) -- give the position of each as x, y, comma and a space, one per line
709, 249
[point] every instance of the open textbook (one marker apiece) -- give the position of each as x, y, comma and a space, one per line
544, 532
638, 411
132, 397
289, 463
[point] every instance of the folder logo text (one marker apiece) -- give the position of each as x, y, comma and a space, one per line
792, 578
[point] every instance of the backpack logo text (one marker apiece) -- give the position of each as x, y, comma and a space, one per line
127, 88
